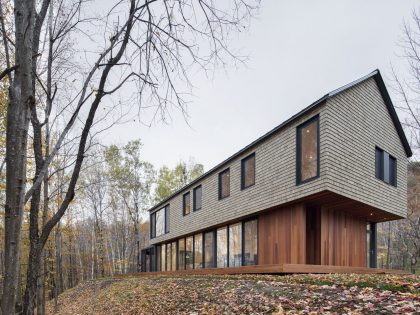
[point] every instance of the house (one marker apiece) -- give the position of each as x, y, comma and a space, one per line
309, 192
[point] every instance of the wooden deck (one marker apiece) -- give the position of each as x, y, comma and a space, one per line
276, 269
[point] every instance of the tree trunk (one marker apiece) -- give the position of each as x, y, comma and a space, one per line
20, 97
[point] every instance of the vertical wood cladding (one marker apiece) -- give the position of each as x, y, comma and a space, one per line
281, 236
343, 239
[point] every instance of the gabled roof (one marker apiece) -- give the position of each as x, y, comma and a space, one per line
376, 75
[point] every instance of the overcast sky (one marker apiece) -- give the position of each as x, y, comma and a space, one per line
298, 50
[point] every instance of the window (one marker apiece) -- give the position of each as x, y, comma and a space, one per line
163, 257
235, 245
224, 184
197, 196
209, 250
168, 257
181, 254
248, 171
189, 253
371, 246
221, 254
173, 258
198, 251
159, 222
385, 167
186, 207
307, 153
251, 243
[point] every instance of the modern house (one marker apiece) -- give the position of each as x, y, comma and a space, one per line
307, 193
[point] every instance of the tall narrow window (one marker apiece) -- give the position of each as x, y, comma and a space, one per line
248, 171
181, 254
224, 184
307, 151
153, 225
186, 206
235, 245
385, 167
189, 253
198, 251
209, 250
173, 258
251, 243
221, 254
168, 257
160, 222
158, 258
197, 196
163, 257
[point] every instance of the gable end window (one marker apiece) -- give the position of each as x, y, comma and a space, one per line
186, 204
307, 151
385, 167
197, 198
224, 184
248, 171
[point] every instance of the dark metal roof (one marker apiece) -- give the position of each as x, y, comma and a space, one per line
384, 92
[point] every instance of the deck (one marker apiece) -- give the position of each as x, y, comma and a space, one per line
277, 269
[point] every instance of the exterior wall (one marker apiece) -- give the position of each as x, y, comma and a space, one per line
343, 239
282, 236
356, 121
351, 124
275, 184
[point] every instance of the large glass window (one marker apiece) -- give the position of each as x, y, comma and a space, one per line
198, 251
209, 250
158, 258
181, 254
168, 257
251, 243
248, 171
198, 192
159, 222
385, 167
189, 253
163, 257
173, 258
308, 150
186, 205
235, 245
224, 184
221, 255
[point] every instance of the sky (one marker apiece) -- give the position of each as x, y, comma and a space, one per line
298, 51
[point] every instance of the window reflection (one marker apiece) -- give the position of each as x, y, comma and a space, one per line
251, 243
209, 250
235, 245
309, 150
221, 255
198, 251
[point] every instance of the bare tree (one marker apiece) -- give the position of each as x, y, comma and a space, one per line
148, 47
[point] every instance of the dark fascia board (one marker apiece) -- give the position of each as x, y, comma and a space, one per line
383, 90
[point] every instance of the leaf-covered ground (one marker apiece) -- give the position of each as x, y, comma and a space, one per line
245, 294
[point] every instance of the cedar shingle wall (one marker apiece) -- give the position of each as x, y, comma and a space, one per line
351, 124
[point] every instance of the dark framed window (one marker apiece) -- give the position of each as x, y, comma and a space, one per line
189, 262
163, 257
159, 222
173, 256
250, 240
168, 257
186, 204
181, 254
385, 167
222, 247
198, 251
307, 151
224, 184
197, 198
248, 171
209, 249
235, 245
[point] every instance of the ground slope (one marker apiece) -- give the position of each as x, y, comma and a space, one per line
245, 294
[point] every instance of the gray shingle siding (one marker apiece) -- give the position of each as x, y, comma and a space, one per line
352, 123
